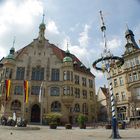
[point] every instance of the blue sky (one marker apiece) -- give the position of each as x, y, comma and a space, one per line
75, 21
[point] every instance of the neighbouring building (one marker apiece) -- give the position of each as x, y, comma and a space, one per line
103, 100
67, 86
126, 81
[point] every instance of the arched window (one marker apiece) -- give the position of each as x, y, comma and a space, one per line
77, 108
54, 91
16, 105
84, 108
56, 106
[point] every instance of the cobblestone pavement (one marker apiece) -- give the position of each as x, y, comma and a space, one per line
6, 133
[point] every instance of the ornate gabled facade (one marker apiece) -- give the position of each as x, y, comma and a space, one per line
67, 87
126, 81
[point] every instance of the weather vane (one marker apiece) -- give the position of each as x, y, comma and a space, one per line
109, 61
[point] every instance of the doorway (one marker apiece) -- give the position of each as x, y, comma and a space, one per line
35, 113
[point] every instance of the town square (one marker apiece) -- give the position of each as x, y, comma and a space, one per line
69, 70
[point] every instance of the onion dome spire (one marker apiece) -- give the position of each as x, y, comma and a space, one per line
42, 28
67, 58
12, 51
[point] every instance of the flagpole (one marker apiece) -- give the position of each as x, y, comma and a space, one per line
23, 104
41, 110
41, 102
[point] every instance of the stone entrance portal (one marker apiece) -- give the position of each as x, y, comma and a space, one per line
35, 113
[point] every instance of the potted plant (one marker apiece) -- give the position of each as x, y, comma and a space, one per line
53, 119
108, 126
121, 125
68, 126
82, 121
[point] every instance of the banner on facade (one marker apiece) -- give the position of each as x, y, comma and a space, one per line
40, 93
7, 85
26, 96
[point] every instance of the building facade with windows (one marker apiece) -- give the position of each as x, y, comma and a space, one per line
126, 81
66, 85
103, 98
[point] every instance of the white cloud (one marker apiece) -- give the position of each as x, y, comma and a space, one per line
18, 18
98, 74
52, 28
80, 52
21, 14
3, 52
112, 44
84, 38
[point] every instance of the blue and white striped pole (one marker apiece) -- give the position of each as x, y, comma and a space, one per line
115, 134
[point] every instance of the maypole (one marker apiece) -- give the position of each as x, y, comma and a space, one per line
109, 61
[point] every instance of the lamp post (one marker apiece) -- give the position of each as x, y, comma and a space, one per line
108, 62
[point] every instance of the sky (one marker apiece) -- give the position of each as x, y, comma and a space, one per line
74, 21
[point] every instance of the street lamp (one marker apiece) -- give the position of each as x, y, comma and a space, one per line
108, 62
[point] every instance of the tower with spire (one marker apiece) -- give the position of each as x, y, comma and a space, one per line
67, 58
11, 56
131, 44
42, 28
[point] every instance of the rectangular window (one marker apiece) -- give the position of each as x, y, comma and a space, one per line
10, 73
71, 76
84, 94
66, 75
54, 91
115, 83
66, 90
35, 90
137, 91
55, 75
137, 60
117, 97
135, 76
20, 73
90, 83
18, 90
76, 79
7, 73
84, 81
121, 81
77, 93
123, 96
37, 74
91, 95
130, 78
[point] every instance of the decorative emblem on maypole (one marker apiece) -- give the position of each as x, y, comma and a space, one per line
107, 62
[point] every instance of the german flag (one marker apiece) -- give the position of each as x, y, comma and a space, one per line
26, 91
7, 85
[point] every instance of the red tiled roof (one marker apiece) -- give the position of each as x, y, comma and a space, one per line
61, 54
